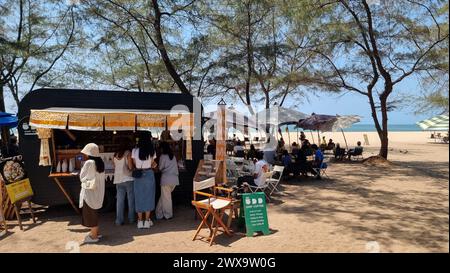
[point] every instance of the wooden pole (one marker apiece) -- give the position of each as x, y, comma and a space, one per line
66, 195
221, 153
342, 130
289, 137
2, 215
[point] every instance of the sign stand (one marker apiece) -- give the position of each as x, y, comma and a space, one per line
254, 212
17, 210
20, 192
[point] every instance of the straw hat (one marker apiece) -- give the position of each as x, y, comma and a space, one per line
91, 149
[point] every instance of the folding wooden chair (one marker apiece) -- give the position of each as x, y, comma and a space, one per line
211, 209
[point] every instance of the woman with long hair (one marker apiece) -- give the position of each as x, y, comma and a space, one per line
92, 177
169, 180
124, 181
143, 157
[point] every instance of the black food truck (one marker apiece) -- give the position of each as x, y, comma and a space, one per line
55, 124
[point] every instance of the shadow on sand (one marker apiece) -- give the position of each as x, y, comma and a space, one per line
413, 216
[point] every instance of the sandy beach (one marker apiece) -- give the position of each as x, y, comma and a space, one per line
399, 207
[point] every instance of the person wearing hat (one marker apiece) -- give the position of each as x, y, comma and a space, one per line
92, 177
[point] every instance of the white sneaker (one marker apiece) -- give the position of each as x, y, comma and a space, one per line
90, 240
140, 224
148, 223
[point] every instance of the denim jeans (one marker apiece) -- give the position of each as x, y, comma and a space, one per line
125, 189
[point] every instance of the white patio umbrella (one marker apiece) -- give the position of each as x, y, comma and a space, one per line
437, 123
234, 118
278, 116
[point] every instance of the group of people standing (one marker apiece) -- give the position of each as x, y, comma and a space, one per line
134, 178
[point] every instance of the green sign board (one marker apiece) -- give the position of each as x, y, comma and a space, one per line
254, 210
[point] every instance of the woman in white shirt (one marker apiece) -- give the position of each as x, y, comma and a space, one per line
92, 177
168, 166
238, 149
124, 182
144, 183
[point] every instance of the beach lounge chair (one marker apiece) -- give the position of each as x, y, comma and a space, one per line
275, 179
366, 140
211, 209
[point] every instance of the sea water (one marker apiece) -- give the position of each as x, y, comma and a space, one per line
392, 128
371, 128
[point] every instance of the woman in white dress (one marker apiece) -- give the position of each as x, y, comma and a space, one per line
92, 177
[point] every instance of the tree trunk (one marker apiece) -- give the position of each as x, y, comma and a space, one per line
249, 48
384, 122
162, 49
381, 129
2, 99
384, 145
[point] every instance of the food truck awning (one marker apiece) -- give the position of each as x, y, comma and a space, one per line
110, 119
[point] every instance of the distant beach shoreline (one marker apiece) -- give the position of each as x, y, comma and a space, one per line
371, 128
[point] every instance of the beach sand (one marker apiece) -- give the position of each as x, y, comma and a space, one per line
401, 207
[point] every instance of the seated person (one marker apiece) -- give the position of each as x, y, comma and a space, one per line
258, 178
301, 164
238, 149
280, 149
286, 159
318, 159
269, 155
339, 152
295, 148
229, 147
251, 154
323, 144
358, 150
302, 136
330, 145
306, 146
211, 148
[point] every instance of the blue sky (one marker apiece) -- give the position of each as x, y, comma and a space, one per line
352, 104
323, 103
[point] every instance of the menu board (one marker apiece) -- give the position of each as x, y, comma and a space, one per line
20, 190
254, 209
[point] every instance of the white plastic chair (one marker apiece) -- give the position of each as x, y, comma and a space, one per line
263, 188
272, 181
